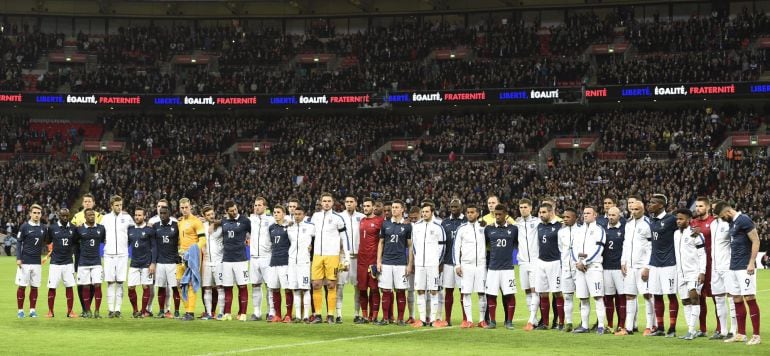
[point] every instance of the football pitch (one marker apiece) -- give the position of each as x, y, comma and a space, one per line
62, 336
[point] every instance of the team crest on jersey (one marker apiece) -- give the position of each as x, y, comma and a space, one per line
532, 225
402, 229
238, 224
708, 225
553, 229
662, 224
510, 232
619, 233
371, 225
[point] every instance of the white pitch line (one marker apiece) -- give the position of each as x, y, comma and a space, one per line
273, 347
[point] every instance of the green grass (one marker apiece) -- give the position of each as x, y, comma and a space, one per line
130, 336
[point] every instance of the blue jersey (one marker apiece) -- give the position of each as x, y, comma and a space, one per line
740, 245
450, 226
89, 238
234, 236
501, 240
143, 245
662, 228
613, 248
63, 241
279, 237
394, 244
548, 241
29, 243
167, 242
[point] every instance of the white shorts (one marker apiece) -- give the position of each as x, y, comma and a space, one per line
449, 277
61, 273
504, 280
393, 277
741, 283
235, 273
589, 283
299, 276
568, 281
633, 283
139, 276
410, 282
663, 280
548, 276
474, 279
258, 270
212, 274
343, 276
686, 286
91, 275
278, 277
718, 281
527, 275
613, 282
115, 267
28, 275
349, 276
426, 278
165, 275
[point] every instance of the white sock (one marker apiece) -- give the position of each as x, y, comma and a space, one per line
410, 302
306, 304
433, 306
30, 310
169, 297
534, 304
733, 319
568, 308
422, 300
585, 311
630, 313
340, 293
269, 301
356, 304
722, 314
297, 304
482, 306
152, 297
467, 307
111, 297
118, 296
440, 301
650, 310
207, 299
256, 299
600, 312
688, 317
221, 299
428, 299
695, 317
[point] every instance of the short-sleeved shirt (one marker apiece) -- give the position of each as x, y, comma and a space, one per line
143, 245
502, 241
548, 241
89, 238
740, 244
234, 236
613, 249
450, 226
190, 231
167, 242
63, 241
30, 240
369, 240
662, 228
281, 243
395, 237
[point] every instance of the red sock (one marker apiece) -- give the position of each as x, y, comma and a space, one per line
740, 314
228, 299
70, 299
145, 298
609, 309
465, 318
20, 297
673, 310
754, 315
621, 304
132, 298
545, 309
659, 310
559, 309
449, 299
492, 306
719, 325
387, 303
289, 301
510, 306
32, 297
400, 302
98, 296
87, 297
276, 302
243, 300
177, 298
214, 298
363, 301
161, 299
374, 304
703, 313
51, 298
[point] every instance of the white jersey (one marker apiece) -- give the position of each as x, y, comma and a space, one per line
590, 242
330, 233
528, 249
116, 239
214, 245
260, 245
353, 229
690, 254
636, 244
566, 237
427, 243
470, 245
720, 245
300, 236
